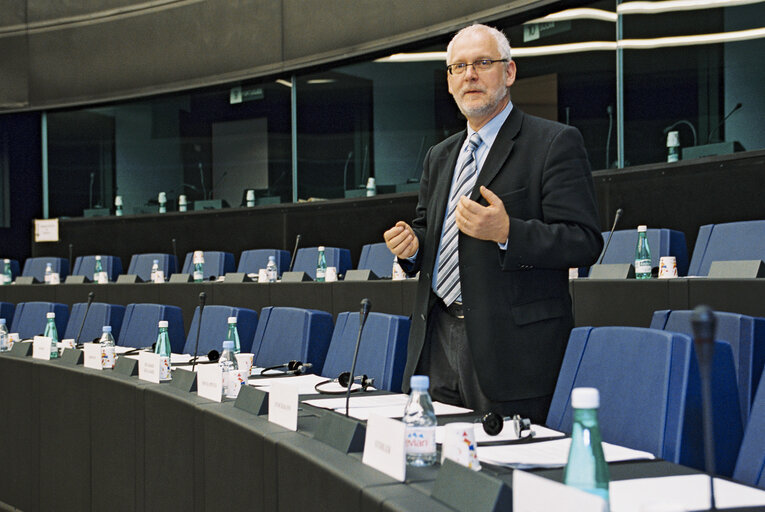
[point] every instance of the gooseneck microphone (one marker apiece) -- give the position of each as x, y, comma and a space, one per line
294, 251
366, 305
717, 128
177, 262
91, 296
608, 241
703, 323
202, 299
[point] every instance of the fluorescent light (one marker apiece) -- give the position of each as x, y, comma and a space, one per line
664, 42
576, 14
558, 49
315, 81
414, 57
677, 5
285, 83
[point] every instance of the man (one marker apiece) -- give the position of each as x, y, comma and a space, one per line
493, 312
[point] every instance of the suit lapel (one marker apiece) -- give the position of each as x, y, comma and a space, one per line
500, 152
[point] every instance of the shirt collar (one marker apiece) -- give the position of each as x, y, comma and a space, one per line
489, 131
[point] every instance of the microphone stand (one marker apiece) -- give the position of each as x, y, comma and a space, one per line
294, 251
91, 296
703, 323
608, 241
366, 305
177, 263
202, 299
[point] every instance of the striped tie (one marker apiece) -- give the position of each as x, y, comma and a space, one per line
448, 280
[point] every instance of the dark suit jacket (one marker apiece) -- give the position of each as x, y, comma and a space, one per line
516, 302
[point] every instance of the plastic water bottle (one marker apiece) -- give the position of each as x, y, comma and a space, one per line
233, 334
199, 266
163, 348
118, 206
5, 344
154, 270
107, 347
99, 276
642, 255
371, 187
7, 274
586, 468
321, 266
48, 279
230, 370
397, 273
182, 203
420, 424
162, 200
52, 333
271, 270
250, 198
673, 146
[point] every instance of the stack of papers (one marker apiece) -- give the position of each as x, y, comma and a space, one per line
389, 406
507, 434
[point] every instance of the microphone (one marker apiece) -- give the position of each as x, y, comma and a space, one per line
703, 324
71, 256
493, 423
294, 251
91, 296
345, 170
90, 189
177, 262
202, 299
366, 305
717, 128
134, 351
608, 241
610, 111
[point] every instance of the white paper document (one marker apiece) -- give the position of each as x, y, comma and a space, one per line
549, 454
507, 434
688, 492
304, 383
389, 406
533, 493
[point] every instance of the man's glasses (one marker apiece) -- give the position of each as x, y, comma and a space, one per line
479, 65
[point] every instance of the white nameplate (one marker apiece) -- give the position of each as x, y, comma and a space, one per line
532, 493
92, 358
283, 404
385, 446
149, 366
41, 347
67, 343
210, 382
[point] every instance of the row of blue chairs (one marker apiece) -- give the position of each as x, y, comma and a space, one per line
375, 257
715, 242
276, 336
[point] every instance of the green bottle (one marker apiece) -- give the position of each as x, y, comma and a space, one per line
233, 334
52, 333
321, 266
642, 255
163, 348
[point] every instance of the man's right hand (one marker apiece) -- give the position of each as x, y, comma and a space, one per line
401, 240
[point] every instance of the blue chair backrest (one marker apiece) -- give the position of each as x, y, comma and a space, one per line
217, 263
306, 259
382, 352
287, 334
650, 393
727, 242
140, 264
746, 336
750, 466
377, 258
251, 261
29, 318
214, 328
35, 267
15, 268
662, 242
139, 326
86, 266
99, 315
6, 311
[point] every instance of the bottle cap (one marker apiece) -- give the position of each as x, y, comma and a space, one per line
271, 258
117, 200
370, 183
182, 199
250, 195
106, 328
50, 315
6, 260
232, 319
156, 262
98, 258
321, 248
585, 398
163, 323
162, 197
2, 321
228, 345
642, 228
673, 139
48, 265
419, 382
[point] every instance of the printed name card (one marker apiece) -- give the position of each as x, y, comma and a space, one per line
210, 382
283, 404
533, 493
385, 446
92, 355
41, 347
149, 366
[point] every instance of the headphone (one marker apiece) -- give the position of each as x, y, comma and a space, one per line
493, 423
343, 379
293, 367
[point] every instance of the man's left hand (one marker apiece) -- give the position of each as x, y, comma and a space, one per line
483, 222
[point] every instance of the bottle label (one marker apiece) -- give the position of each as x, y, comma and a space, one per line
321, 273
101, 277
107, 357
233, 380
4, 344
164, 368
643, 266
198, 275
420, 440
159, 276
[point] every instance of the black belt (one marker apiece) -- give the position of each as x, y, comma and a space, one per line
455, 310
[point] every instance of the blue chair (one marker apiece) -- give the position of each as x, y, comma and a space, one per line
140, 264
251, 261
35, 267
15, 269
662, 242
377, 258
217, 263
86, 266
29, 318
214, 328
750, 466
306, 259
382, 352
99, 315
286, 334
746, 335
727, 242
6, 311
139, 326
650, 393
